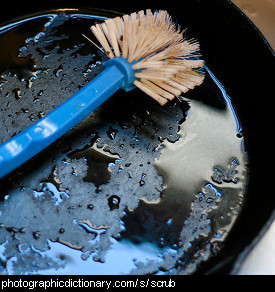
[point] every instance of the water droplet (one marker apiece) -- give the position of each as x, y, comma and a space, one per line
169, 222
40, 93
141, 182
58, 71
239, 135
124, 126
32, 117
112, 133
36, 234
61, 230
17, 94
113, 202
41, 114
36, 99
90, 206
25, 110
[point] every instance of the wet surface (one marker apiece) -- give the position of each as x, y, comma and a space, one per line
154, 189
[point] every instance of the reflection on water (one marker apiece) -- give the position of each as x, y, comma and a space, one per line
134, 188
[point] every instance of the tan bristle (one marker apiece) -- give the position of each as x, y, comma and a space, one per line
165, 63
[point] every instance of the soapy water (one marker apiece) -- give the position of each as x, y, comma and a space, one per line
134, 188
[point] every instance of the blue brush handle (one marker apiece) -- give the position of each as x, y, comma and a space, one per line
118, 73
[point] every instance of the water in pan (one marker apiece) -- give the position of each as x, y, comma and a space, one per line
133, 189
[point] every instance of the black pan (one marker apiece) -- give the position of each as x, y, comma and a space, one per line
243, 61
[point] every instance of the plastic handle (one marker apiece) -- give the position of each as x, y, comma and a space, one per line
118, 73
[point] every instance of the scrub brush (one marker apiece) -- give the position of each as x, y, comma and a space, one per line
146, 50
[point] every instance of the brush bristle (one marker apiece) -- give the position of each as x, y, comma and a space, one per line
165, 63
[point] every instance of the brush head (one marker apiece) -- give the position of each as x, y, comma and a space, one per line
166, 64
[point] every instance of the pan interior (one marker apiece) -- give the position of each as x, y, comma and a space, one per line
132, 189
